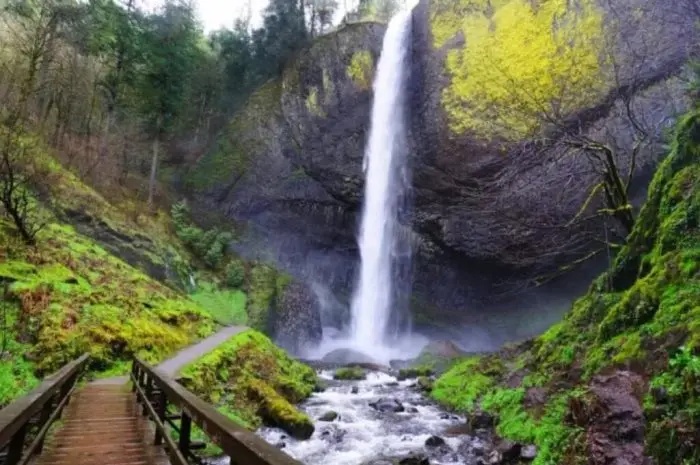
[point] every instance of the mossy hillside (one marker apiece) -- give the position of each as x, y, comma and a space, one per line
642, 315
255, 381
124, 225
68, 296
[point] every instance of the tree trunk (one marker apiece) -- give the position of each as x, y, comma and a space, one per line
154, 169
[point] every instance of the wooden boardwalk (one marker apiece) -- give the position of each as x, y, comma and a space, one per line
103, 425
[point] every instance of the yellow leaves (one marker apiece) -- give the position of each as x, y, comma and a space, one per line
522, 65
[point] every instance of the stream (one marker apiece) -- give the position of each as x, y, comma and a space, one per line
363, 435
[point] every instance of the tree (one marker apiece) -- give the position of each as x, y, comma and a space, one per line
170, 44
321, 15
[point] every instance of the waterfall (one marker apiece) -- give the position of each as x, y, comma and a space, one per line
386, 181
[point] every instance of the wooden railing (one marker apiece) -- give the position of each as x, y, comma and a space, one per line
157, 392
25, 422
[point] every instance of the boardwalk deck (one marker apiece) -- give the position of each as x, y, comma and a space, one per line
103, 425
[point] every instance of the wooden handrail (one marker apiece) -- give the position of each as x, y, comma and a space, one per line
16, 417
241, 445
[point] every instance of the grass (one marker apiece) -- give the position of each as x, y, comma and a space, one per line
226, 306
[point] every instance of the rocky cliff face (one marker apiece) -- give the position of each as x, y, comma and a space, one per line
489, 207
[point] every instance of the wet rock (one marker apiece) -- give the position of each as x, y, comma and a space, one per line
333, 434
535, 397
615, 433
508, 450
297, 318
328, 416
399, 364
424, 384
414, 459
434, 441
528, 452
458, 430
411, 410
660, 395
441, 349
411, 459
494, 458
281, 445
346, 357
392, 384
386, 404
481, 420
354, 390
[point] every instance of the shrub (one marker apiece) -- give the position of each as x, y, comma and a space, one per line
235, 274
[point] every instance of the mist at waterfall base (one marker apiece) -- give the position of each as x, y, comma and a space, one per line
379, 325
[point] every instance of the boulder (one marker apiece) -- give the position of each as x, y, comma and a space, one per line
528, 452
333, 434
434, 441
346, 357
508, 450
297, 318
481, 420
386, 404
615, 431
328, 416
349, 374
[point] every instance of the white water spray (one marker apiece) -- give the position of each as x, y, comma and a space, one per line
385, 181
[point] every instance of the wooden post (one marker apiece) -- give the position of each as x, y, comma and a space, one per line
162, 412
45, 415
147, 394
14, 452
185, 430
135, 372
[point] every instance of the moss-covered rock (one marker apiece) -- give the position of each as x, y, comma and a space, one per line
415, 372
255, 383
350, 373
642, 315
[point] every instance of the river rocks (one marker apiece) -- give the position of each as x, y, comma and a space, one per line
528, 452
333, 434
480, 420
508, 450
424, 384
328, 416
354, 390
386, 404
411, 459
434, 441
341, 357
615, 433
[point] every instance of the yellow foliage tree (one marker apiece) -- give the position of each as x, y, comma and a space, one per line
525, 63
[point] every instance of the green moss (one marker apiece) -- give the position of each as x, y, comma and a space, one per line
361, 69
350, 373
74, 297
462, 385
415, 372
255, 382
265, 289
